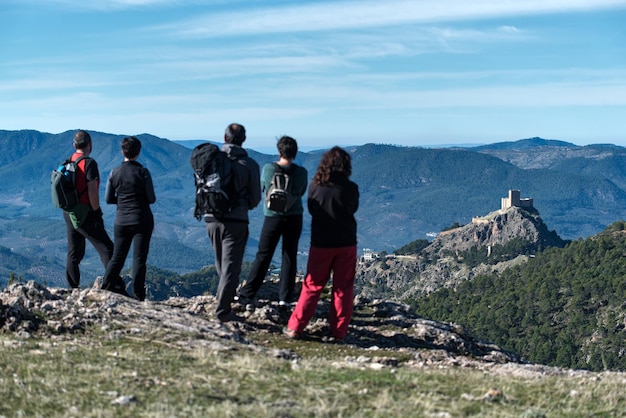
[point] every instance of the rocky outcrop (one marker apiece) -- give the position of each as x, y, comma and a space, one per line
32, 310
441, 263
497, 228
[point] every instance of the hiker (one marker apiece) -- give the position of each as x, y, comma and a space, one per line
333, 199
85, 221
276, 225
229, 231
130, 187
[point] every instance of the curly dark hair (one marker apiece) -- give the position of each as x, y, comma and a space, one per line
335, 160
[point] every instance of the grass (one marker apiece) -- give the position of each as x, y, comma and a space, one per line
97, 376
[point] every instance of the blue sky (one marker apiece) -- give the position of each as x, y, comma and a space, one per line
325, 72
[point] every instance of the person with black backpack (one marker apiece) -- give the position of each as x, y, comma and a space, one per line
84, 222
284, 184
228, 227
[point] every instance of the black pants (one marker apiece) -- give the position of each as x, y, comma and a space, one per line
139, 236
91, 230
289, 228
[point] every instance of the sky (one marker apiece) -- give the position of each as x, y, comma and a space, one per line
343, 72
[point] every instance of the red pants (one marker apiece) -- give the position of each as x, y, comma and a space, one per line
322, 261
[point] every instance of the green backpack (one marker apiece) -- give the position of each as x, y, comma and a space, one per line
63, 185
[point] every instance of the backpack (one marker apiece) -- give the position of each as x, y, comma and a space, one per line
279, 197
214, 178
63, 185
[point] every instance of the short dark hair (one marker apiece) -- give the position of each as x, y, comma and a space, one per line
287, 147
82, 139
235, 134
131, 145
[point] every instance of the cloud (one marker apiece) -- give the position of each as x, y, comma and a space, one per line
115, 5
344, 15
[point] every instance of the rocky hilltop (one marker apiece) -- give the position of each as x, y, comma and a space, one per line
32, 310
488, 244
384, 331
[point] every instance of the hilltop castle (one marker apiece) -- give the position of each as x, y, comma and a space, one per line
514, 200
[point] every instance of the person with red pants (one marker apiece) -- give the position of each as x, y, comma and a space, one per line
332, 201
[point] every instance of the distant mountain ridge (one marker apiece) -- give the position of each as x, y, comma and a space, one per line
522, 144
406, 192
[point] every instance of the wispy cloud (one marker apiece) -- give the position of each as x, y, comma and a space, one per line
170, 70
113, 5
325, 16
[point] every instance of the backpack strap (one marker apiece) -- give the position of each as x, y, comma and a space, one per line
76, 161
286, 172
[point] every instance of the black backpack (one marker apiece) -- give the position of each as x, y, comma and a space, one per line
214, 177
279, 197
63, 185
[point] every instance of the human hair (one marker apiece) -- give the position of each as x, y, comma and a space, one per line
235, 134
287, 147
82, 139
131, 145
335, 160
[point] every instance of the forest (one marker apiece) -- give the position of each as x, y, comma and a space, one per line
564, 307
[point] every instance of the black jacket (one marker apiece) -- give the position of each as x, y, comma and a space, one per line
332, 207
130, 187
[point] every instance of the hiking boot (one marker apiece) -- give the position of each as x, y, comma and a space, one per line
290, 333
245, 303
329, 339
120, 289
229, 317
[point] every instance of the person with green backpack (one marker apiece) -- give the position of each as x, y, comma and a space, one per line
84, 222
287, 182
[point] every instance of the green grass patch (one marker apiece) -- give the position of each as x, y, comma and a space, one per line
102, 377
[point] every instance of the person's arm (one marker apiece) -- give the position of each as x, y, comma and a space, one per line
94, 195
109, 194
92, 176
355, 198
150, 195
266, 176
303, 180
254, 185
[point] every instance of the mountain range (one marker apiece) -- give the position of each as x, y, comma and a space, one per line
407, 193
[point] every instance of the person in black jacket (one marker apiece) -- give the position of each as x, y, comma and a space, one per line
130, 187
333, 200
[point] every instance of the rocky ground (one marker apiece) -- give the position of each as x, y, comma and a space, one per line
386, 331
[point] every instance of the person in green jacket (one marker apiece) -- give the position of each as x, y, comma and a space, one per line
277, 225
